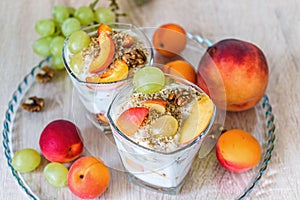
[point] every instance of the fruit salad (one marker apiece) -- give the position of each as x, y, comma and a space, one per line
158, 122
100, 57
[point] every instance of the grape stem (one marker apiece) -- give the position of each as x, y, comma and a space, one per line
93, 5
114, 6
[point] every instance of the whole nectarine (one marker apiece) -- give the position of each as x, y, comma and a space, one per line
234, 73
60, 141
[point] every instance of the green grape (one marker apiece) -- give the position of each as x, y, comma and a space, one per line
56, 174
57, 62
42, 46
149, 80
78, 41
70, 25
85, 15
104, 15
60, 13
56, 45
76, 63
26, 160
71, 11
45, 27
165, 125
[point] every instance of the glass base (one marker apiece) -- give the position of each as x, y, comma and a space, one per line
167, 190
99, 123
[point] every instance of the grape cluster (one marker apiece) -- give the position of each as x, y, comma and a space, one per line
66, 20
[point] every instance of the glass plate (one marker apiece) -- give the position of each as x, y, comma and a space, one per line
207, 179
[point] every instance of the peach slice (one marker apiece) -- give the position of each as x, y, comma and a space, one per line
118, 72
104, 28
106, 55
156, 104
200, 116
134, 165
131, 119
93, 79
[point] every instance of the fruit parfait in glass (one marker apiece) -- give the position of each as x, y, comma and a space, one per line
99, 59
159, 122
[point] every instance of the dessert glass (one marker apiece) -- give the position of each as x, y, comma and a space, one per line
148, 167
96, 97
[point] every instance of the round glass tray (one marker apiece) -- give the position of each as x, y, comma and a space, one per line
206, 179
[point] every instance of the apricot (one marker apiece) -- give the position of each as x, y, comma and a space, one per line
181, 68
169, 39
234, 73
238, 151
88, 177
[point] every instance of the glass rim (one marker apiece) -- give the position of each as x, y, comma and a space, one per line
191, 143
131, 27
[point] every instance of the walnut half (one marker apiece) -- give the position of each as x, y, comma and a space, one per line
33, 104
134, 58
45, 74
181, 97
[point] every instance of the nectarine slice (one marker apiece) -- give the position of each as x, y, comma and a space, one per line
200, 116
156, 104
106, 55
118, 72
104, 28
131, 119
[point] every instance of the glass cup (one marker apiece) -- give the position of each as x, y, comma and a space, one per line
163, 171
96, 97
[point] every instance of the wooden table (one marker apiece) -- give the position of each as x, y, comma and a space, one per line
272, 25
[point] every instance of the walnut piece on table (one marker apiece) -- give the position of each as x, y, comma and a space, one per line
33, 104
45, 74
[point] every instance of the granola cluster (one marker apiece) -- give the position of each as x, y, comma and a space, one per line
178, 104
127, 48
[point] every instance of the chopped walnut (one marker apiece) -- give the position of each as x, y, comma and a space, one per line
180, 97
33, 104
127, 40
134, 58
45, 74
